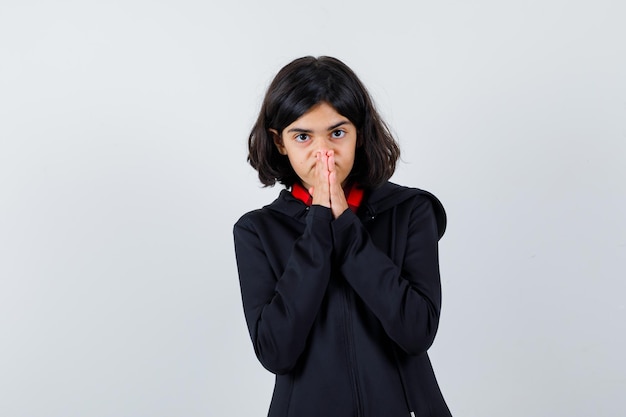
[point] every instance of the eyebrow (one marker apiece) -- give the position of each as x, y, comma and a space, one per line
299, 130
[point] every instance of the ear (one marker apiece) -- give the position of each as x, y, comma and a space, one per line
278, 141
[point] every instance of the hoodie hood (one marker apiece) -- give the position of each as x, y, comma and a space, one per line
375, 202
390, 194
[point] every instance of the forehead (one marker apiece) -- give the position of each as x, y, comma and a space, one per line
322, 115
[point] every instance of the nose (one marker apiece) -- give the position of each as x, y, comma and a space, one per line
325, 144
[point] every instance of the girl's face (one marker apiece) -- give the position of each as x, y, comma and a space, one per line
319, 129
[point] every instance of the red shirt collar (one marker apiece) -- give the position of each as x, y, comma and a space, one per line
354, 195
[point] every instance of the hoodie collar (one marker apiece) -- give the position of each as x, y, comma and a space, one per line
373, 201
354, 195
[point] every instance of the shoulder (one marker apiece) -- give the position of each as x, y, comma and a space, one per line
250, 218
284, 206
390, 194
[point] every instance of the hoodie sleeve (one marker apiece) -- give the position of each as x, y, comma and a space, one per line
280, 310
405, 298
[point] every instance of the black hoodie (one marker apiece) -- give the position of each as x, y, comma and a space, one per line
343, 311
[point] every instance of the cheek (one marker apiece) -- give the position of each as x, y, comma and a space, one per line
349, 154
299, 164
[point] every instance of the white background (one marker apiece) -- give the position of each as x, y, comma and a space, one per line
123, 128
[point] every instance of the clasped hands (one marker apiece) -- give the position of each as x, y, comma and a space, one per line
327, 190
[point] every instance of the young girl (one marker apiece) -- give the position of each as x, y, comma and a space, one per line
339, 275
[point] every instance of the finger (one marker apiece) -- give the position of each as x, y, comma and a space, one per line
331, 161
324, 158
321, 189
319, 165
338, 203
332, 181
322, 169
335, 186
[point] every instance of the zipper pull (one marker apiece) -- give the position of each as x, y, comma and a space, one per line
412, 414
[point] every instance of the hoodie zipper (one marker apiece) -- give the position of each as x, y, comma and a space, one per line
351, 353
403, 383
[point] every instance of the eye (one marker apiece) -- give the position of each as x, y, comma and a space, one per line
338, 134
301, 137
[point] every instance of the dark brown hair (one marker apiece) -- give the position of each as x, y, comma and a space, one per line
298, 87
